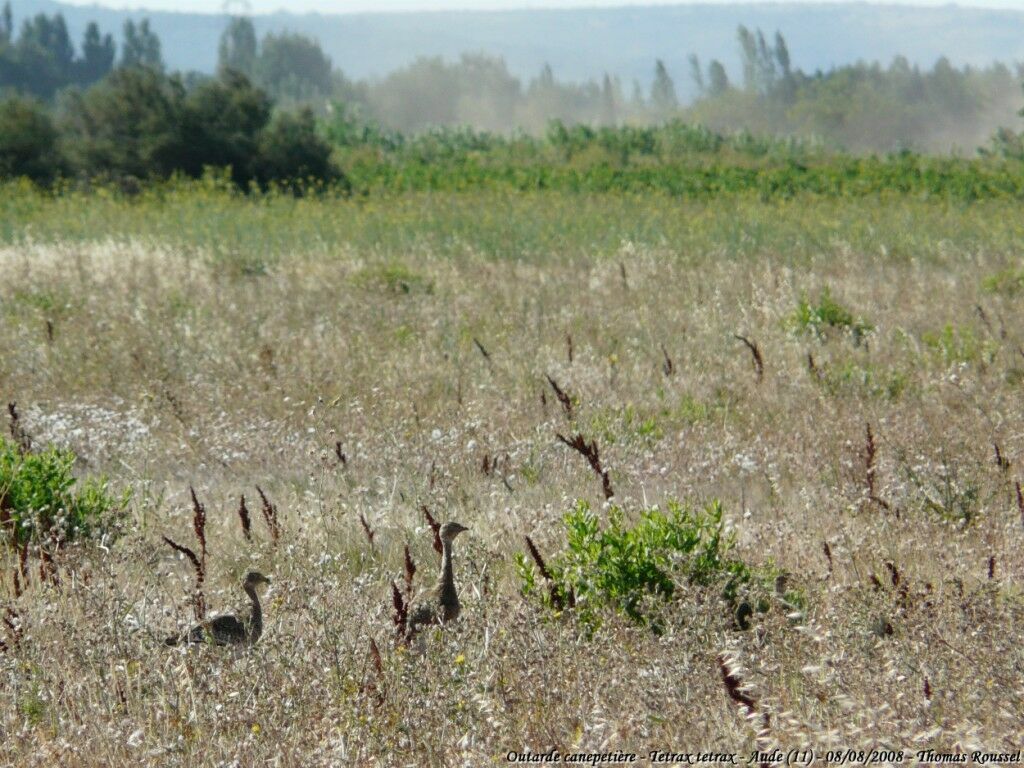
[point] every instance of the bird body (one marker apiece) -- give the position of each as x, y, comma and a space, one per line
227, 629
440, 605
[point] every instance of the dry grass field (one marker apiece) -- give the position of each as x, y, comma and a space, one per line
195, 338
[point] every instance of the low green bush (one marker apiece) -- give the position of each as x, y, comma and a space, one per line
959, 344
1008, 282
828, 313
40, 496
620, 565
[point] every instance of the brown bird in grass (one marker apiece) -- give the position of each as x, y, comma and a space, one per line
440, 605
227, 629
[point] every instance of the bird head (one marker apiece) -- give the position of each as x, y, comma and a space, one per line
255, 578
450, 530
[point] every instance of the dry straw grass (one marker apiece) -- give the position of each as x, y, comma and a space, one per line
903, 625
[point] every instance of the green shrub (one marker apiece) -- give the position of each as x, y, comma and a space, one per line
393, 277
140, 123
620, 566
828, 313
1009, 282
625, 423
946, 491
864, 379
959, 345
40, 495
291, 150
28, 141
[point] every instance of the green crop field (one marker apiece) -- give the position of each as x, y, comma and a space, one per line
805, 406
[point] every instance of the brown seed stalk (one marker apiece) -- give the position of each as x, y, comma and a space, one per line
379, 688
554, 591
435, 527
199, 525
589, 451
535, 554
21, 437
198, 599
483, 350
812, 367
755, 353
734, 685
894, 574
370, 533
1002, 462
563, 398
400, 616
869, 461
410, 571
244, 518
269, 516
667, 366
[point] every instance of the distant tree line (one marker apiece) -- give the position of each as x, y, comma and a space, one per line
861, 107
116, 111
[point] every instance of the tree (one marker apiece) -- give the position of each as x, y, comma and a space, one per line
221, 124
486, 93
786, 86
609, 106
421, 95
663, 91
636, 100
546, 79
141, 47
696, 73
128, 124
43, 56
6, 25
291, 150
782, 55
293, 67
48, 38
97, 55
28, 141
748, 57
766, 73
718, 80
238, 47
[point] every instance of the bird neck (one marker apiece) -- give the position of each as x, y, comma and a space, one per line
447, 583
256, 616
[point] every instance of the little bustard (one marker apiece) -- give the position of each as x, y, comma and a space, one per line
227, 629
439, 605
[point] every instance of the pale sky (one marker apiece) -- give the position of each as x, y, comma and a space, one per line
355, 6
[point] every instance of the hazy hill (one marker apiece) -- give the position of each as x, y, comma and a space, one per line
584, 43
